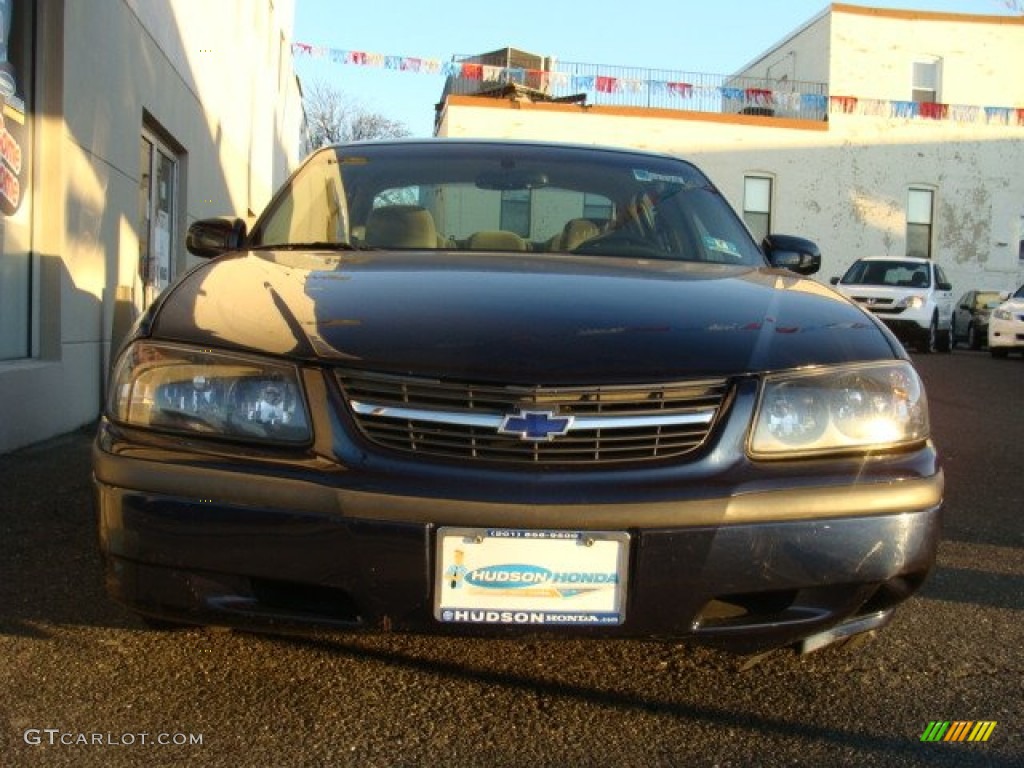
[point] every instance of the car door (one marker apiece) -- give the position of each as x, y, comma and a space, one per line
962, 313
944, 301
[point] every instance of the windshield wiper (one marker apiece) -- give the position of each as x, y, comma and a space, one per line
314, 246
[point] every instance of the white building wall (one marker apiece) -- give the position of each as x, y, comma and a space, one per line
873, 52
215, 79
870, 52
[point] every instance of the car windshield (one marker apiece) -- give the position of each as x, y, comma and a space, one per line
1019, 294
895, 273
489, 197
987, 299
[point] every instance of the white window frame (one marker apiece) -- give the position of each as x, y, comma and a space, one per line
920, 215
756, 205
926, 79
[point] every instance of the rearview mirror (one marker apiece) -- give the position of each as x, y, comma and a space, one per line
797, 254
508, 179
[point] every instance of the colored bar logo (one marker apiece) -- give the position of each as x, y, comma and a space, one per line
958, 730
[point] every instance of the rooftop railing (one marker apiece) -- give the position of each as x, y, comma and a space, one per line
511, 72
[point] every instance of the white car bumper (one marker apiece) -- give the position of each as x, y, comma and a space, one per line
1006, 328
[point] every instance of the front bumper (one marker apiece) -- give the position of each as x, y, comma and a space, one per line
906, 329
748, 571
1005, 334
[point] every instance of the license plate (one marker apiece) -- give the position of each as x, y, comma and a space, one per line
515, 576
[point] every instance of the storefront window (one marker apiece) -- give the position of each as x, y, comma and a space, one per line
16, 25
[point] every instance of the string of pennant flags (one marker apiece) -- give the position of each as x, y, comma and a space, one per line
544, 80
961, 113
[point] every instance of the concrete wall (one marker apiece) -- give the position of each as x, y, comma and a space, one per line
212, 79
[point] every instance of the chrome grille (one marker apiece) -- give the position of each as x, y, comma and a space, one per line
879, 306
461, 420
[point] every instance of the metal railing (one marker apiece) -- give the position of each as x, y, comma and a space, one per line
545, 79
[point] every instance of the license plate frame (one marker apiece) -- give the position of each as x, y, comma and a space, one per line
516, 576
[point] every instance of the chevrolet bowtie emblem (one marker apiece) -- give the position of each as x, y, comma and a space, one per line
535, 425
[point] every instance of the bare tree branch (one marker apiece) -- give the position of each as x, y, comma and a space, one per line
334, 118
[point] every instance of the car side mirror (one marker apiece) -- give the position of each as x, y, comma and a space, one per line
945, 286
797, 254
834, 280
212, 237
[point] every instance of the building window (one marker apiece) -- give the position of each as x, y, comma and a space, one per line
757, 205
597, 208
515, 211
920, 204
158, 205
925, 88
16, 154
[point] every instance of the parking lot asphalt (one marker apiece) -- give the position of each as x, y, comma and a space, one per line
77, 666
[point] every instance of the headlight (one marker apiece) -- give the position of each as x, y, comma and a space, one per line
179, 389
1002, 314
911, 302
870, 406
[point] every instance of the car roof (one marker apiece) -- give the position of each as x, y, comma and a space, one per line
466, 141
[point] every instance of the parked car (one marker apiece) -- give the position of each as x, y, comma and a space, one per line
970, 317
1006, 326
911, 296
494, 387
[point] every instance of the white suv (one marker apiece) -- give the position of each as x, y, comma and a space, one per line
910, 295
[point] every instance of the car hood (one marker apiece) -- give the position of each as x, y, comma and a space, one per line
517, 318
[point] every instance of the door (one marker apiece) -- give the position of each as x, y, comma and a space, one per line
158, 192
944, 298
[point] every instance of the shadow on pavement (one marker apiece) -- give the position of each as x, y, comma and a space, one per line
50, 571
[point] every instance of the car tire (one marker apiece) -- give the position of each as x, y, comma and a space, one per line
930, 338
973, 339
944, 342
